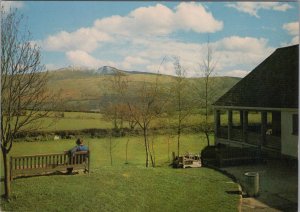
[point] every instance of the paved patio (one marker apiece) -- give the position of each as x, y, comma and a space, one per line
278, 186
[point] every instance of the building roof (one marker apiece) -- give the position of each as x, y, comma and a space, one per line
272, 84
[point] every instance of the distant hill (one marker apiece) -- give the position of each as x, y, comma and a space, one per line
85, 89
106, 70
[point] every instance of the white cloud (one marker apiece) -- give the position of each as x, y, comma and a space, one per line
85, 39
165, 68
292, 29
243, 51
252, 8
130, 61
282, 7
161, 20
295, 40
139, 41
7, 5
82, 58
141, 37
237, 73
192, 16
51, 66
156, 20
230, 53
151, 21
242, 44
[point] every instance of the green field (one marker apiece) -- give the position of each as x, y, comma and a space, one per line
123, 187
82, 120
75, 121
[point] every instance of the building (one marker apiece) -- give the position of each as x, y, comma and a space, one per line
261, 110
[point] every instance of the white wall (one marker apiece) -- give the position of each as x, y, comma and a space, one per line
289, 142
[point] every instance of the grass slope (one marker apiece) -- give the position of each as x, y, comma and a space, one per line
121, 187
126, 189
86, 90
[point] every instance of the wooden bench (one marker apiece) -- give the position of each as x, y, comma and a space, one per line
188, 160
29, 165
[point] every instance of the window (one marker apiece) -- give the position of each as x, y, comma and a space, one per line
295, 124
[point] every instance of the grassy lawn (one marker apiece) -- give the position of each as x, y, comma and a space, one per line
126, 188
121, 187
83, 120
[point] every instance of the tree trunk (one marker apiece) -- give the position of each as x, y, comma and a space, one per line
146, 146
126, 161
153, 157
7, 188
207, 138
150, 152
110, 151
178, 138
169, 149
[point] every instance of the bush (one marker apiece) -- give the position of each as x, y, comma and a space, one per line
209, 152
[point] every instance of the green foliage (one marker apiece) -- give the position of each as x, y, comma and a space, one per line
209, 152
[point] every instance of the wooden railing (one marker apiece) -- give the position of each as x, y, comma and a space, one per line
236, 134
273, 142
45, 163
253, 138
235, 156
223, 132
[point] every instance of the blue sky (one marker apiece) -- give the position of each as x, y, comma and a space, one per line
138, 35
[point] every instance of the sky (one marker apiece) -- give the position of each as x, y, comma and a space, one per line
147, 35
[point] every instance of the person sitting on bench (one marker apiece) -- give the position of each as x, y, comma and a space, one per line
79, 147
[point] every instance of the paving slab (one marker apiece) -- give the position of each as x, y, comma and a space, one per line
278, 186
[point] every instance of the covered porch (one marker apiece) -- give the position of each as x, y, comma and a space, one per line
248, 128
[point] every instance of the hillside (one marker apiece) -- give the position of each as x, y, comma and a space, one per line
85, 90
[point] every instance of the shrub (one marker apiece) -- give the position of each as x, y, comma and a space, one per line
208, 152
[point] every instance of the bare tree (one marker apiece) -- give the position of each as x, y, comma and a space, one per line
111, 147
117, 110
24, 96
181, 100
148, 103
207, 68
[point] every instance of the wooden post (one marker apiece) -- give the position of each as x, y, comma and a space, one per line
89, 160
263, 128
217, 122
245, 126
15, 163
241, 122
229, 123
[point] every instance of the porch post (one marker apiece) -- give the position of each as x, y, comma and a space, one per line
241, 118
263, 128
229, 123
245, 125
217, 122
